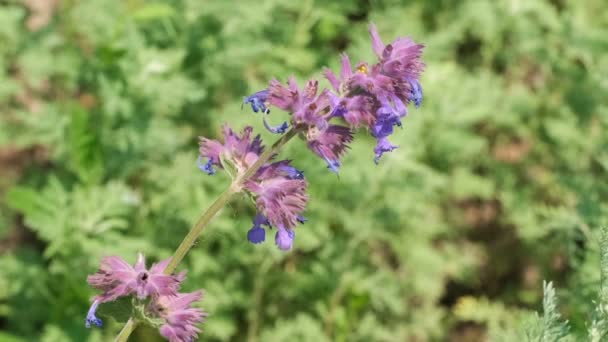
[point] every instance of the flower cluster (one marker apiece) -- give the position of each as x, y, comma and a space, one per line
374, 97
278, 188
116, 278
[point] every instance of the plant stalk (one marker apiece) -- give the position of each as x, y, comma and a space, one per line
204, 220
123, 335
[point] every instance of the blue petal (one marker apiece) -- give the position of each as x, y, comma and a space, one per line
416, 93
387, 119
280, 129
382, 146
260, 219
258, 101
333, 165
292, 172
207, 167
91, 318
301, 219
297, 174
256, 235
284, 238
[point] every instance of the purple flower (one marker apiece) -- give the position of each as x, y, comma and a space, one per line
242, 150
290, 171
280, 193
180, 319
387, 116
116, 278
416, 93
280, 129
285, 98
207, 167
315, 113
355, 110
382, 146
371, 81
306, 107
284, 238
257, 234
330, 144
376, 96
91, 318
257, 101
399, 59
340, 84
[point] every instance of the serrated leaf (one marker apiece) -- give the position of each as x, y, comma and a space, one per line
85, 147
22, 199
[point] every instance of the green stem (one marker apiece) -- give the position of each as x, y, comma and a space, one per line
123, 335
198, 227
208, 215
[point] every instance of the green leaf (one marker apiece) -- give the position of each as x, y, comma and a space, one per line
6, 337
22, 199
229, 166
549, 327
85, 147
153, 11
120, 310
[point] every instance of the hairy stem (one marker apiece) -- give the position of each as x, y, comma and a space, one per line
209, 214
198, 227
126, 331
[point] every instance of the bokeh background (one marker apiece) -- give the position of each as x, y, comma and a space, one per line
500, 181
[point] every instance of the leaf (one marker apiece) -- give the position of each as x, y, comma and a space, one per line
549, 327
153, 11
229, 166
85, 147
22, 199
120, 310
6, 337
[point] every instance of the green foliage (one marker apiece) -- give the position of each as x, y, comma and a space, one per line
549, 327
499, 181
119, 310
598, 329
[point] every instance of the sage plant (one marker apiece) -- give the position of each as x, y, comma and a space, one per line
372, 97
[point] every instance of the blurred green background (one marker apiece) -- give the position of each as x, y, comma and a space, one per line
500, 181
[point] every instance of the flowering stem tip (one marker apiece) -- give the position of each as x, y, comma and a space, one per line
370, 96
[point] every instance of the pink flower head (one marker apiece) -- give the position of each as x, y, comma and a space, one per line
116, 278
356, 110
330, 144
280, 193
400, 59
242, 150
180, 318
306, 107
339, 84
376, 96
285, 98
